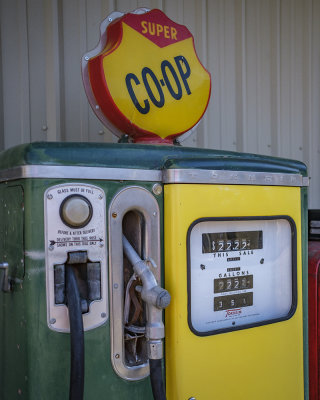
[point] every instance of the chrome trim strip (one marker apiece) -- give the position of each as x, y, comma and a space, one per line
74, 172
167, 176
139, 199
233, 177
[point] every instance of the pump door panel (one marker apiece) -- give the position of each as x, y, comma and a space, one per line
234, 329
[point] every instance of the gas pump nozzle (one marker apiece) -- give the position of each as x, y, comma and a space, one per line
155, 297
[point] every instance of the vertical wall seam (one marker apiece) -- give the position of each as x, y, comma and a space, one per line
59, 52
292, 75
258, 77
238, 77
204, 37
53, 87
309, 144
244, 77
60, 18
278, 79
28, 68
222, 71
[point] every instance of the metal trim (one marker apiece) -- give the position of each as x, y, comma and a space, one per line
224, 177
233, 177
139, 199
79, 172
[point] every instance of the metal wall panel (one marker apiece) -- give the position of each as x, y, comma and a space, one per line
15, 73
264, 57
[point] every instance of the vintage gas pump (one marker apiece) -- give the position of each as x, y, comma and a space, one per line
96, 238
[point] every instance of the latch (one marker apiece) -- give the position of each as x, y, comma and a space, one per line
4, 282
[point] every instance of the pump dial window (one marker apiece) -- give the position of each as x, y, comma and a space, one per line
76, 211
231, 241
241, 272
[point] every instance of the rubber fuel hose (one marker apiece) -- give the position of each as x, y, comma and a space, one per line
76, 336
157, 380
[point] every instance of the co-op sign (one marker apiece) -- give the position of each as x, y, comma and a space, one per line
147, 80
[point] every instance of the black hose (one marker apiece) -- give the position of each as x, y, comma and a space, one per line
76, 336
157, 380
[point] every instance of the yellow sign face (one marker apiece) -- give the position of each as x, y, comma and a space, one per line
148, 80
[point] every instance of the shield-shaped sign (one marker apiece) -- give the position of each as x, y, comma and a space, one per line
144, 79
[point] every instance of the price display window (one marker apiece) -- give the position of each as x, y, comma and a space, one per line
241, 273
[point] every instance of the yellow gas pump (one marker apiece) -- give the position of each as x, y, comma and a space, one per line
234, 268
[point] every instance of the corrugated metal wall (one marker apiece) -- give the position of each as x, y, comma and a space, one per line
264, 57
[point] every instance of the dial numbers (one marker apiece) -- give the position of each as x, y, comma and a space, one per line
229, 284
231, 241
233, 301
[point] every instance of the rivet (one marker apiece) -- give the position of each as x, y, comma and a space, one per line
86, 58
110, 19
44, 128
101, 132
100, 244
192, 398
53, 321
157, 189
117, 355
49, 196
116, 286
114, 215
51, 247
100, 197
154, 214
97, 107
103, 315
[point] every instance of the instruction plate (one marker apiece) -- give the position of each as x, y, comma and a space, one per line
62, 239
